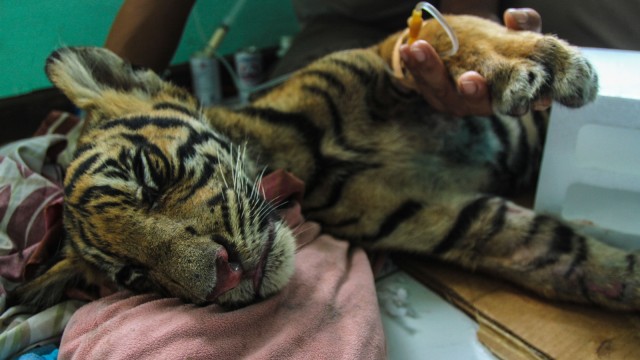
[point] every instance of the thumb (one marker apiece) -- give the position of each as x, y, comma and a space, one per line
523, 19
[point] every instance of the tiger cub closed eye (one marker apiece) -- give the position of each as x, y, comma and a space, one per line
162, 196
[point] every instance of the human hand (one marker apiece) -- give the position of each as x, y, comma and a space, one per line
469, 95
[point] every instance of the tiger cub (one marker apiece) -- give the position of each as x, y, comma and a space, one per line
162, 195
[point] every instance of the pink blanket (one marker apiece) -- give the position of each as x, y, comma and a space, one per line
328, 311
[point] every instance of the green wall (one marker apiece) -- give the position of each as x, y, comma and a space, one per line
31, 29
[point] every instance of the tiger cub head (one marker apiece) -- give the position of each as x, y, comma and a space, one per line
155, 200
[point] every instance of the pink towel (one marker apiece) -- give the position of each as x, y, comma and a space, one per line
329, 310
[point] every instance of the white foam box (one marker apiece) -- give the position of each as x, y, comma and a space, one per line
591, 164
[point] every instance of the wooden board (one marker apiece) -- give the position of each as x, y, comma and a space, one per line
515, 324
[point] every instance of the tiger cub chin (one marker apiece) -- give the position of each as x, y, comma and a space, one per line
163, 196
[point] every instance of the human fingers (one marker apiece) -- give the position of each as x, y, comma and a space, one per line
542, 104
428, 71
432, 80
473, 87
523, 19
474, 90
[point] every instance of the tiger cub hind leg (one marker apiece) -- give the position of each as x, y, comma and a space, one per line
520, 67
538, 252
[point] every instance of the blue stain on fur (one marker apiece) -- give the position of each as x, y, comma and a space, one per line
473, 143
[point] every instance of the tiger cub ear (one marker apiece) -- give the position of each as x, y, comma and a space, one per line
86, 74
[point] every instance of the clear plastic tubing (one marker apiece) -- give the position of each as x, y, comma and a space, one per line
440, 19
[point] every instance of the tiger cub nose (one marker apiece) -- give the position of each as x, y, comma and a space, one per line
229, 274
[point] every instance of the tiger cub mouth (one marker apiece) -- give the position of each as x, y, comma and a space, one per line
240, 280
230, 271
262, 263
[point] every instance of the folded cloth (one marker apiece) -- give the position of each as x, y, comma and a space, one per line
31, 172
47, 352
328, 310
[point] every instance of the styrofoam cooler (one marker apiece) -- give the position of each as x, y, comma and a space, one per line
590, 171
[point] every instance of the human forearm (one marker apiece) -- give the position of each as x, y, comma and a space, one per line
147, 32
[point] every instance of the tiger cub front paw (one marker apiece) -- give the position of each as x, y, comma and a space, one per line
553, 70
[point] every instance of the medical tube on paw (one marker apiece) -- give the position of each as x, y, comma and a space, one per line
415, 24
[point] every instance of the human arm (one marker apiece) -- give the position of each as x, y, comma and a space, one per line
147, 32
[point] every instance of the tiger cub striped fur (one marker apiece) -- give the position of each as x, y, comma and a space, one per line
162, 195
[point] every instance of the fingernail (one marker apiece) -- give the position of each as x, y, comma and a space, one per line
520, 16
542, 104
418, 54
468, 87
